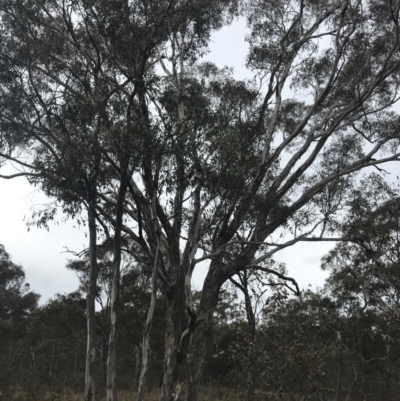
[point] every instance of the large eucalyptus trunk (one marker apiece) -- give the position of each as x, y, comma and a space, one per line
90, 306
187, 385
173, 332
112, 343
184, 364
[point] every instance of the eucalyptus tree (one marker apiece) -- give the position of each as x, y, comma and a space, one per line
201, 167
364, 281
241, 165
366, 273
50, 127
255, 286
74, 81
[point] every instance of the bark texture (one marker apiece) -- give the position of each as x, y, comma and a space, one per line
173, 330
184, 360
112, 343
146, 334
90, 306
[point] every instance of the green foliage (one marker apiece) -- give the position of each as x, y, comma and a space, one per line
17, 304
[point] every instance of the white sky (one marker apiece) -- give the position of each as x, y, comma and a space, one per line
41, 252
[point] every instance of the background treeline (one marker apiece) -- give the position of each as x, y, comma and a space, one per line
268, 340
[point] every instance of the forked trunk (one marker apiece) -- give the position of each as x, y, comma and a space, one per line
187, 385
90, 307
173, 332
184, 367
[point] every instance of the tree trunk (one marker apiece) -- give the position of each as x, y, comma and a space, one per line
184, 365
251, 327
251, 323
90, 306
250, 373
137, 367
173, 332
146, 333
339, 371
187, 384
103, 349
112, 343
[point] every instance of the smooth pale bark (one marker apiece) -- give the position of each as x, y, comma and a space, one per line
103, 348
112, 343
90, 306
146, 333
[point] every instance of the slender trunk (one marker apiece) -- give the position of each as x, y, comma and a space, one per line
103, 350
251, 325
90, 305
137, 367
76, 357
251, 321
250, 373
339, 372
112, 343
146, 333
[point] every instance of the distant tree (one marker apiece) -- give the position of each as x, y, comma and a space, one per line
364, 278
17, 304
367, 272
55, 347
254, 285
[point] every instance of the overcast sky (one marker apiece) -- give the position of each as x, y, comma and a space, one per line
42, 254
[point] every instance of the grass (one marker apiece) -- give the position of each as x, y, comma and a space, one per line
206, 394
